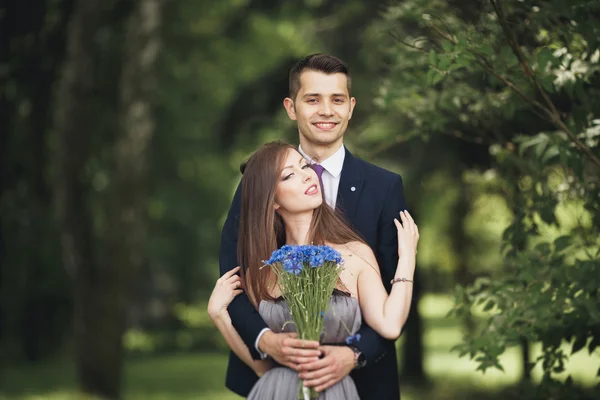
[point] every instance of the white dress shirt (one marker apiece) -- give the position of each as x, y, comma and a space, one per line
332, 170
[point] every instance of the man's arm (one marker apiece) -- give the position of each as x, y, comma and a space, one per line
371, 345
245, 318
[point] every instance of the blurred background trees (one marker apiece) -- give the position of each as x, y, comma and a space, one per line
123, 124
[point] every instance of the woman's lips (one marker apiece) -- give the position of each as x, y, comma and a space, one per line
313, 189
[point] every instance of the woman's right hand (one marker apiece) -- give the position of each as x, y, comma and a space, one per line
408, 235
225, 290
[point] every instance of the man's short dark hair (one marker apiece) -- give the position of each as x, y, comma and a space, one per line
319, 62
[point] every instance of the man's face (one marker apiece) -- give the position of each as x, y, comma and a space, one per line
322, 108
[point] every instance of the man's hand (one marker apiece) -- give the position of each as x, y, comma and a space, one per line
287, 350
337, 362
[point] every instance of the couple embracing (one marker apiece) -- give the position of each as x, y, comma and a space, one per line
317, 193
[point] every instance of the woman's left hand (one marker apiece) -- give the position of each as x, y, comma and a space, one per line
224, 292
408, 235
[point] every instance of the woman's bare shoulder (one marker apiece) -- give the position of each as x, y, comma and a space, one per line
356, 253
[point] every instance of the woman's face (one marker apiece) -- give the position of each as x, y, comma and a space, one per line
298, 189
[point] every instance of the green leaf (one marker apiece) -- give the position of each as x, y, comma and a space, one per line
432, 58
436, 78
593, 344
507, 57
544, 57
487, 49
579, 343
561, 243
430, 74
447, 46
533, 142
547, 82
547, 215
569, 381
543, 248
444, 62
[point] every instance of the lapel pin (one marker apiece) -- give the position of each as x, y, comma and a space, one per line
353, 188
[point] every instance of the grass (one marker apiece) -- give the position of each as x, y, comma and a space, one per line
201, 376
176, 376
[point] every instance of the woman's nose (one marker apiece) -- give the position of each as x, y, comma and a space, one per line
307, 175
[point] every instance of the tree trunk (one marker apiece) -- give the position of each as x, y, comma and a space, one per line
459, 240
73, 114
102, 281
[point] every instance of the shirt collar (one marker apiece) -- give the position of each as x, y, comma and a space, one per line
333, 164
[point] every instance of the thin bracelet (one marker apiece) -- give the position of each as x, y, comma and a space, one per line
399, 280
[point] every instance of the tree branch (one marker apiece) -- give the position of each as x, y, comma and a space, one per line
396, 37
551, 111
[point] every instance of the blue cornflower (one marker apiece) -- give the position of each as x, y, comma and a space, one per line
353, 339
279, 255
316, 260
333, 256
295, 258
291, 266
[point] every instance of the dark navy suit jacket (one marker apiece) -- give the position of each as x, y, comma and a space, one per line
370, 197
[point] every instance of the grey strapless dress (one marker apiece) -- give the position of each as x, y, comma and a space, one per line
281, 383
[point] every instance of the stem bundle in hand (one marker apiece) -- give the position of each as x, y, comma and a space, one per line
307, 276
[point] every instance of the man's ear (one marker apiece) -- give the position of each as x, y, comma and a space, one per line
352, 104
288, 104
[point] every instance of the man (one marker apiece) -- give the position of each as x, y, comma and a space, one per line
370, 198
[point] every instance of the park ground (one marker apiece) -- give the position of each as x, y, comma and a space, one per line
200, 376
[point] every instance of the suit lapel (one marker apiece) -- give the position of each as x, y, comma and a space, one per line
351, 184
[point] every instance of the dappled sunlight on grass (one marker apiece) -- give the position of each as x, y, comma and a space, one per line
202, 376
443, 332
582, 366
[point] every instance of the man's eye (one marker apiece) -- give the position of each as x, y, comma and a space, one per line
311, 100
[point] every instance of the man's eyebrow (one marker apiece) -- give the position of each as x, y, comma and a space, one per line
319, 94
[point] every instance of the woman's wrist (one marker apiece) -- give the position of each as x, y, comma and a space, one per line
405, 266
220, 316
404, 273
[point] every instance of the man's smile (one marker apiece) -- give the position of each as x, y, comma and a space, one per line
326, 126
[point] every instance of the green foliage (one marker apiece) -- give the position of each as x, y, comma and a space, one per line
548, 291
529, 92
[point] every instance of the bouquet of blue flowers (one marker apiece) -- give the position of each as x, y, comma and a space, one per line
307, 277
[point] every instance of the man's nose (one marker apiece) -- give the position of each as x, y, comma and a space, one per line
326, 108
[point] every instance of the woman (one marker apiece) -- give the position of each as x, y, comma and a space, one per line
282, 203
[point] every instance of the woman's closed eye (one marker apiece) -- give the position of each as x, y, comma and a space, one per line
285, 178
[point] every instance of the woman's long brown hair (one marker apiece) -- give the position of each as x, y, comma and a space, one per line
262, 230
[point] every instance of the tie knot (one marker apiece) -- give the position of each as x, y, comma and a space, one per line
318, 169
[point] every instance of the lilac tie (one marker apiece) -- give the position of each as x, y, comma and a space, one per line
319, 170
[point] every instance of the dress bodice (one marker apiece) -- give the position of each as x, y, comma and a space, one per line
342, 319
281, 383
